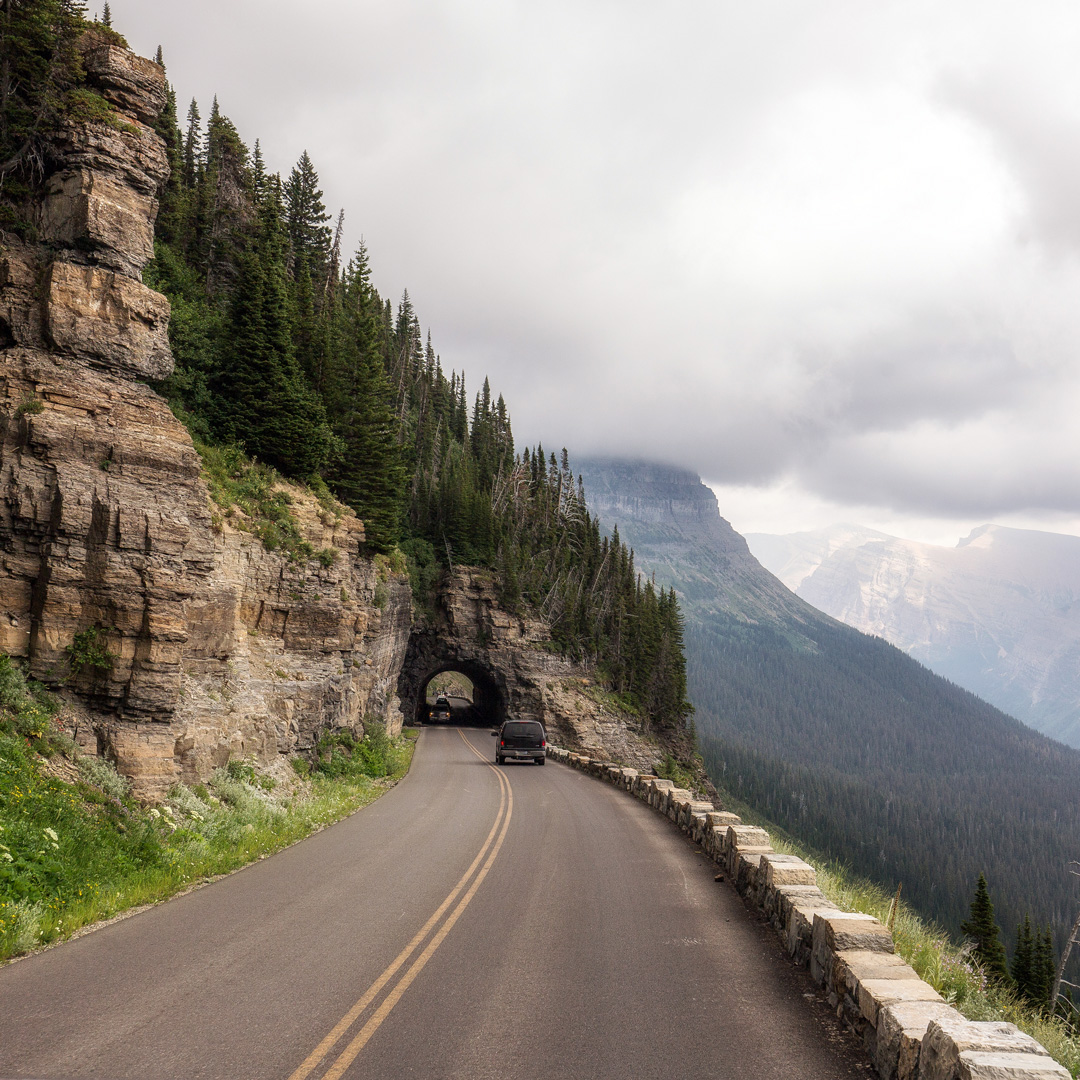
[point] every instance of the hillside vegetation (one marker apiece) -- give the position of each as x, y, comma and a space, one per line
866, 755
75, 848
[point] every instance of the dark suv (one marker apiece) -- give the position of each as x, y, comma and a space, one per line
521, 740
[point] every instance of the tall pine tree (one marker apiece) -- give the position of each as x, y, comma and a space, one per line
983, 931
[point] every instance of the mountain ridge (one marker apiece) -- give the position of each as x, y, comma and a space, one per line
998, 613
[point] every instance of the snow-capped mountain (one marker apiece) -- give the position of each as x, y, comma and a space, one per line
999, 614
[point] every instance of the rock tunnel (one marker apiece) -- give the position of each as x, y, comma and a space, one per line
430, 655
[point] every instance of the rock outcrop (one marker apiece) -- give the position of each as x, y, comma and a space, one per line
515, 674
218, 647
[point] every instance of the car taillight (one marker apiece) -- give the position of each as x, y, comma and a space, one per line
543, 743
502, 742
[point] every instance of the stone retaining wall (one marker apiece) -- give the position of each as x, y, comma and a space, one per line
909, 1030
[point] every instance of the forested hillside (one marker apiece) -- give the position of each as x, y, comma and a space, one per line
286, 353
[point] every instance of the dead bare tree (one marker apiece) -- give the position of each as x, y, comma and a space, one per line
1059, 978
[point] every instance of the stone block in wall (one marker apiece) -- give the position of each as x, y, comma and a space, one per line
900, 1031
875, 994
748, 835
109, 319
776, 903
690, 809
713, 843
946, 1040
788, 870
851, 930
658, 790
803, 908
723, 818
857, 966
844, 931
743, 836
983, 1065
899, 1036
743, 865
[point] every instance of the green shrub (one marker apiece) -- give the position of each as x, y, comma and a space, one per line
88, 650
340, 754
30, 406
237, 482
26, 708
103, 775
670, 769
86, 106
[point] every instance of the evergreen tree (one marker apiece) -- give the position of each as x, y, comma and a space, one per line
40, 70
1044, 969
262, 400
171, 206
981, 929
1023, 963
193, 146
306, 218
367, 473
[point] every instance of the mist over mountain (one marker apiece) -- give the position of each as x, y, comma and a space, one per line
840, 737
999, 614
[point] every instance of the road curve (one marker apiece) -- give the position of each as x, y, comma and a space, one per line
473, 922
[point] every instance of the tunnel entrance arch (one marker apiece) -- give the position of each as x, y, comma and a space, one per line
430, 655
485, 706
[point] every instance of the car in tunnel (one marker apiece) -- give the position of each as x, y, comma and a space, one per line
521, 740
440, 711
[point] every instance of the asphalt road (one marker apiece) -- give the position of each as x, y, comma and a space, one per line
473, 922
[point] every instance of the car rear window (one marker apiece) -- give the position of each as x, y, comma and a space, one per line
523, 730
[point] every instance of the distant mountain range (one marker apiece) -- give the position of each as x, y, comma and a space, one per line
999, 614
841, 738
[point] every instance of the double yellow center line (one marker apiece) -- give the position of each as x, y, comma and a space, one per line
484, 859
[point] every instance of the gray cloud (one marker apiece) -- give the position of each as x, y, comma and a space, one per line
829, 243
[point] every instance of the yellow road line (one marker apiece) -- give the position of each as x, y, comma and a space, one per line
348, 1055
311, 1062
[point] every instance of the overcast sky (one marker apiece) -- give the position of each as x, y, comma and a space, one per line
826, 255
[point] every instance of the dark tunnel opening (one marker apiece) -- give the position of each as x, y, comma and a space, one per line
461, 694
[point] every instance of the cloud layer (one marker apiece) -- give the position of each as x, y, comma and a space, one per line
830, 248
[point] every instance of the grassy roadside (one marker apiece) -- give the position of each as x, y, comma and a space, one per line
76, 849
946, 966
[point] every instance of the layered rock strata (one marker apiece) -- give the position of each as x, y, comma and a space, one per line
203, 645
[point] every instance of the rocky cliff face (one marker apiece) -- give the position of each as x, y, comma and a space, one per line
219, 647
673, 523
